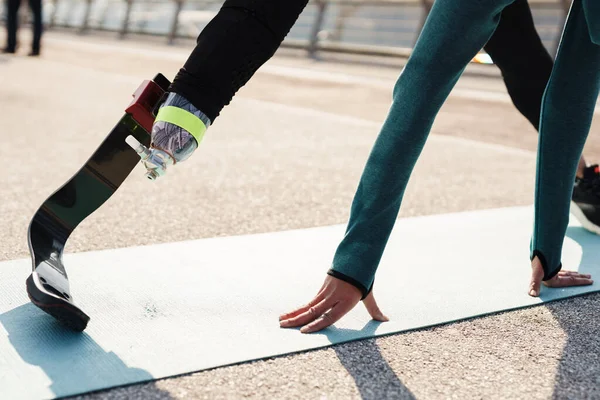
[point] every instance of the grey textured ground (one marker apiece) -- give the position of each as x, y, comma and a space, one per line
251, 175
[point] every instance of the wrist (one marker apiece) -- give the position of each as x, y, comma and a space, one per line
348, 279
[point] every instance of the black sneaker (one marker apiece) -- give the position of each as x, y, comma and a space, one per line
585, 203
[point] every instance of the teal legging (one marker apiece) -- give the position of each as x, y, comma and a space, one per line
453, 34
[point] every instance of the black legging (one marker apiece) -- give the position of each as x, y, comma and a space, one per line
12, 23
236, 42
246, 33
518, 51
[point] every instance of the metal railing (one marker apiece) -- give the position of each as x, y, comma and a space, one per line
377, 27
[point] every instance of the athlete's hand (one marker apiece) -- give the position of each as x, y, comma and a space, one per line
562, 279
335, 299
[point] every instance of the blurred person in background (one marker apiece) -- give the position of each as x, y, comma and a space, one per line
12, 26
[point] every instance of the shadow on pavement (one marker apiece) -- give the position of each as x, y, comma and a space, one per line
374, 377
73, 362
578, 374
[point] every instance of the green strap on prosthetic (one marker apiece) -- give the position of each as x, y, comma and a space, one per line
183, 119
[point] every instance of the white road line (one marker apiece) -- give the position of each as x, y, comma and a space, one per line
121, 78
106, 48
279, 70
276, 70
377, 125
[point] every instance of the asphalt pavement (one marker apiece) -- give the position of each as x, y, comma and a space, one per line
252, 175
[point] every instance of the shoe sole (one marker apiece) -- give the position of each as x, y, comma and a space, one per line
65, 312
586, 223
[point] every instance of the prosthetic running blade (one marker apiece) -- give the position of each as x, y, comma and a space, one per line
105, 171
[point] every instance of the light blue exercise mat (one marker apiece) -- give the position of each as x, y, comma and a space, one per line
169, 309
